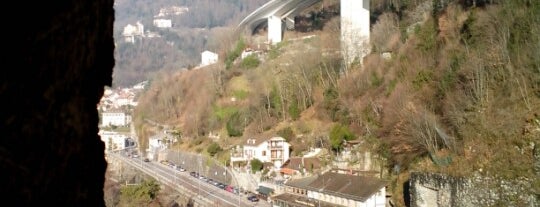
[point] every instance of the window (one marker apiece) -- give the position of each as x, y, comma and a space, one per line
263, 153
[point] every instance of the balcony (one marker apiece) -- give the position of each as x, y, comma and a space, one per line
275, 145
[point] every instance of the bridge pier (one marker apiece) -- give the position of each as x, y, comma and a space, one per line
355, 30
355, 24
275, 30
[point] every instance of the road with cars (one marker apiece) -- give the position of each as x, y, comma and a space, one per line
201, 189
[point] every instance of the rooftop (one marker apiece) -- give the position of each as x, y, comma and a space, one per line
354, 187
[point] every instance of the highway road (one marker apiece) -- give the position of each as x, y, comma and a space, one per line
202, 192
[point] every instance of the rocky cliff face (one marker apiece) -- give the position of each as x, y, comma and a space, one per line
60, 57
437, 190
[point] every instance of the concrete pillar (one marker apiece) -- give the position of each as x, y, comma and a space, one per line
355, 29
275, 31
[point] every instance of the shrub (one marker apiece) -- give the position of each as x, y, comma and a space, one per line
338, 134
213, 149
251, 61
256, 165
229, 59
294, 111
233, 124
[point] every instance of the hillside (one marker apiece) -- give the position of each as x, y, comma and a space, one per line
200, 25
450, 86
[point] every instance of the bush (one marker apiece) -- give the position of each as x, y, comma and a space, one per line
233, 124
213, 149
256, 165
338, 134
251, 61
140, 194
294, 111
229, 59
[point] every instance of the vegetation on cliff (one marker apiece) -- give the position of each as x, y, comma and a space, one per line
449, 86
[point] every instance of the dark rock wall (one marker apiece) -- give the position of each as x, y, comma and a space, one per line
438, 190
58, 56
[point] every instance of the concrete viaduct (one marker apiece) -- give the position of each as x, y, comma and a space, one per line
278, 14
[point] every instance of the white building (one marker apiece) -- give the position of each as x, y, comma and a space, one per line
156, 144
133, 31
163, 23
208, 58
355, 29
274, 150
115, 140
173, 10
141, 85
115, 117
333, 189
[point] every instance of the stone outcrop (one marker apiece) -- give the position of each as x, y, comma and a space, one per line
438, 190
58, 56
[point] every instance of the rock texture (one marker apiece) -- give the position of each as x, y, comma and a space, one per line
58, 56
438, 190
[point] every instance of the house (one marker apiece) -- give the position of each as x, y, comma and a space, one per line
274, 150
333, 189
115, 140
115, 117
157, 143
300, 165
208, 58
163, 23
132, 31
173, 10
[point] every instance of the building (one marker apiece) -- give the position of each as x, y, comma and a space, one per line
115, 140
333, 189
300, 165
133, 31
156, 144
274, 150
163, 23
115, 117
208, 58
172, 11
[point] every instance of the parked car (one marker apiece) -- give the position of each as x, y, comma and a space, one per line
229, 188
253, 198
146, 160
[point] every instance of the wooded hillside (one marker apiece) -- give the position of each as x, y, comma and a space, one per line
200, 28
456, 91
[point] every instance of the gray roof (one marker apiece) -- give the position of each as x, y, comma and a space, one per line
301, 182
302, 201
353, 187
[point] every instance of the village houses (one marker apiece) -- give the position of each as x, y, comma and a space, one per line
273, 150
115, 140
115, 117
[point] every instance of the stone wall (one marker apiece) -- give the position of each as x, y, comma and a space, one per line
438, 190
57, 58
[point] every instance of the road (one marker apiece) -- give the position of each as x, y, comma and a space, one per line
199, 190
